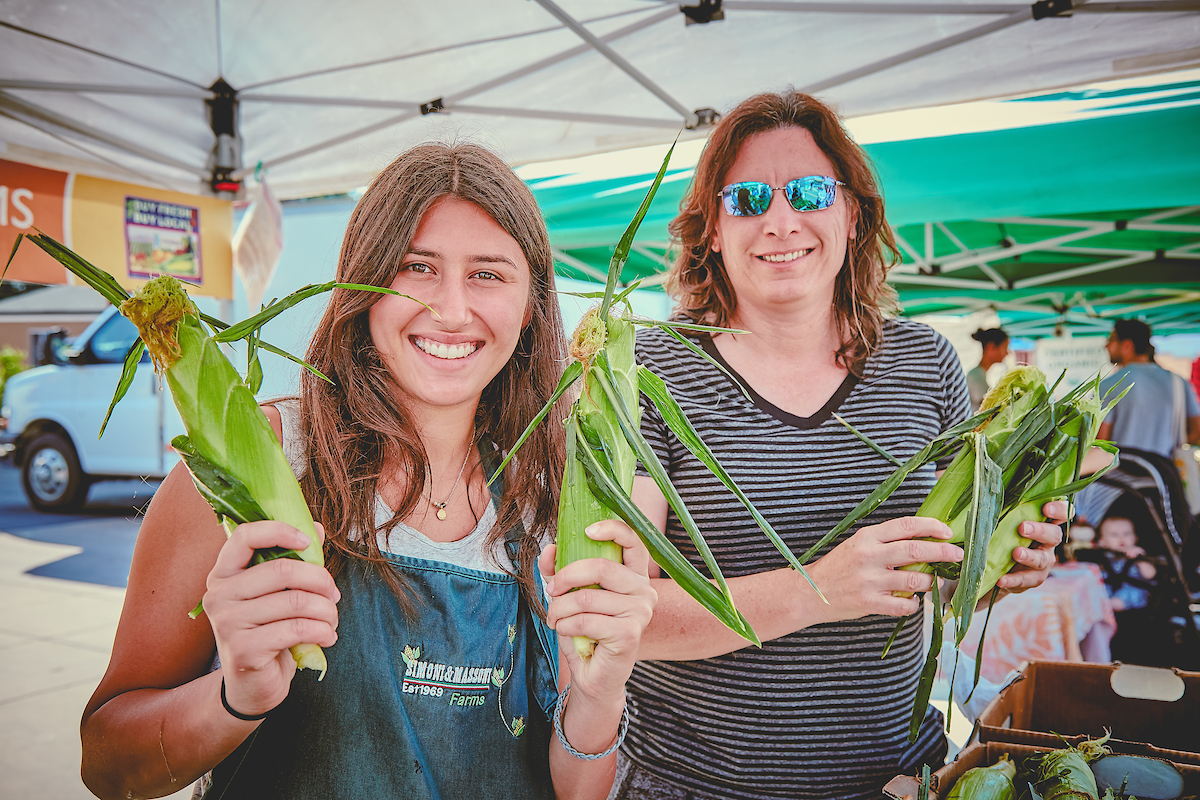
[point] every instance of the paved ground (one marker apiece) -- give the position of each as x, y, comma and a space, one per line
62, 582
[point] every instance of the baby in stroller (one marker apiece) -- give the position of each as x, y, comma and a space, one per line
1128, 574
1151, 530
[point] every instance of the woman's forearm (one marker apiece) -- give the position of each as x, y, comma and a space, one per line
591, 726
775, 603
153, 742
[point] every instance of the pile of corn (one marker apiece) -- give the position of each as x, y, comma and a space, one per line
1022, 450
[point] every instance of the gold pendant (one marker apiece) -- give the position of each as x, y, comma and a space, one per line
441, 513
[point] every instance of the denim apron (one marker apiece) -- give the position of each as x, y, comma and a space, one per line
455, 703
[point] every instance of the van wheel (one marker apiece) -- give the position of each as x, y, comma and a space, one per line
52, 477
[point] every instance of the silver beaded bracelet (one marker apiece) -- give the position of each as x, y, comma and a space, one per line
621, 730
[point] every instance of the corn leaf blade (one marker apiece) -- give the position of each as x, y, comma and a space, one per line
690, 345
982, 517
621, 254
654, 388
571, 374
251, 324
938, 447
929, 670
220, 325
12, 254
665, 554
658, 473
128, 372
90, 274
869, 442
228, 496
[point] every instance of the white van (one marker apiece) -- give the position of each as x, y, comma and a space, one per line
50, 417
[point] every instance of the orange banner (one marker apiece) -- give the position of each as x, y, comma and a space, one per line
31, 197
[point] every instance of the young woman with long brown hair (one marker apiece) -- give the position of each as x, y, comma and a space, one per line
782, 236
444, 674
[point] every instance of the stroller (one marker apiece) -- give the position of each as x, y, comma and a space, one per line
1145, 487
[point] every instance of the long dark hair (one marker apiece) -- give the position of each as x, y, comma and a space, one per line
862, 297
351, 423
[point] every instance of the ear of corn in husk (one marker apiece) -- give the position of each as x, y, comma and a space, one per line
232, 453
594, 413
1065, 775
605, 443
994, 782
1023, 449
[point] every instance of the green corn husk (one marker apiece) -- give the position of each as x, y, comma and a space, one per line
578, 507
605, 443
224, 423
986, 783
1025, 449
1065, 774
231, 451
1017, 395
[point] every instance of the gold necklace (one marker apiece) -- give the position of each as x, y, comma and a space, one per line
441, 507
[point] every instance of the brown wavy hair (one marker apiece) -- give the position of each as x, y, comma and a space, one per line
350, 424
697, 278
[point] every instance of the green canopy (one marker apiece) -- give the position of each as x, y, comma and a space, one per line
1069, 224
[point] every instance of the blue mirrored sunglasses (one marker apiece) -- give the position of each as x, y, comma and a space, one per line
751, 198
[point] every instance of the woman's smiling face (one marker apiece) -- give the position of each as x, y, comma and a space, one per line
783, 256
473, 274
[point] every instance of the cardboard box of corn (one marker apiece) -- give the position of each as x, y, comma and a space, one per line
1132, 727
1073, 768
1155, 707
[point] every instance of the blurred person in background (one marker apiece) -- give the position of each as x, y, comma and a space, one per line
995, 350
1161, 411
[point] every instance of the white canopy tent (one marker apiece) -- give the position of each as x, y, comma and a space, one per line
196, 95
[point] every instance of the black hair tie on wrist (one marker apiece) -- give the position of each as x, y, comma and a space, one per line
238, 714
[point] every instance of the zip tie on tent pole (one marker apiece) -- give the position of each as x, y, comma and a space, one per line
258, 169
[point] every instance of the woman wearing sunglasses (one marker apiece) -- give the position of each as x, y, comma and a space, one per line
782, 236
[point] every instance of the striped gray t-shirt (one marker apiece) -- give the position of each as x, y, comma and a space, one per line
818, 713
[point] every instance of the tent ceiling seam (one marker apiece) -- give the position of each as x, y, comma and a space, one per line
909, 249
97, 88
1167, 213
998, 279
919, 52
949, 235
1182, 297
876, 8
67, 141
1004, 253
550, 61
947, 9
499, 111
238, 175
449, 100
24, 108
937, 280
575, 263
431, 51
97, 53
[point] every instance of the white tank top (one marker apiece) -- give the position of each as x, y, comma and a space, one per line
404, 540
